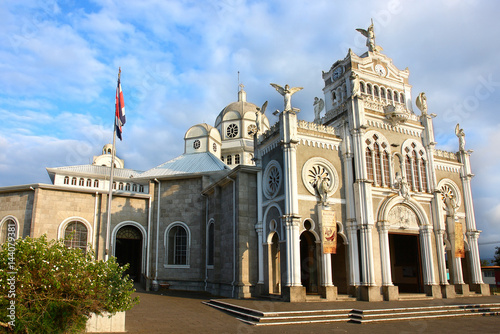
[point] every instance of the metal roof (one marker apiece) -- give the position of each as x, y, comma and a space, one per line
95, 170
187, 164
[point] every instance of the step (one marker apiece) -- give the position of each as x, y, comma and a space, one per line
256, 317
363, 316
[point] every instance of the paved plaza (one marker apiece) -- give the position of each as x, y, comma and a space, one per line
183, 312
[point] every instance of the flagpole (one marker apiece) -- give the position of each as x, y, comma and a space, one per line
110, 193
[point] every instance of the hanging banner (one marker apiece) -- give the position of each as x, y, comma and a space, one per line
459, 241
329, 232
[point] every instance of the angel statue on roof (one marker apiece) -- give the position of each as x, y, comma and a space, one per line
370, 38
287, 93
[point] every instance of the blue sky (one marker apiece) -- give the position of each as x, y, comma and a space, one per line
180, 62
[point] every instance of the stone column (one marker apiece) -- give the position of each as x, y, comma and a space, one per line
438, 234
367, 256
354, 279
427, 256
385, 255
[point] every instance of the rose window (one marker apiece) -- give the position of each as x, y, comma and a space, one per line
272, 179
215, 147
252, 129
232, 130
196, 144
317, 174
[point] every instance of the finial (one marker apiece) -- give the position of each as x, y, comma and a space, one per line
119, 72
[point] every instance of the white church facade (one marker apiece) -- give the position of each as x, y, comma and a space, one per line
358, 202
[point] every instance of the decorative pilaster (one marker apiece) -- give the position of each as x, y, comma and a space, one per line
385, 256
427, 256
368, 271
292, 250
440, 249
354, 279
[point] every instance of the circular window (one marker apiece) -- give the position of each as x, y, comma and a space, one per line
320, 170
272, 179
214, 147
252, 129
196, 144
232, 130
449, 190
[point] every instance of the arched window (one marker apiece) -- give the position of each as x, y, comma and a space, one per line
66, 180
409, 174
362, 87
369, 89
120, 186
9, 229
89, 183
134, 187
73, 181
210, 244
382, 92
81, 182
423, 174
222, 158
96, 183
385, 161
369, 164
127, 186
375, 91
416, 186
177, 245
401, 98
229, 160
141, 188
236, 159
114, 185
396, 97
378, 164
75, 235
389, 95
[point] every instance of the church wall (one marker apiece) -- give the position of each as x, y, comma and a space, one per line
53, 207
18, 204
247, 236
181, 201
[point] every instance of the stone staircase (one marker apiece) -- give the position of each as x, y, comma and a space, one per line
424, 312
260, 318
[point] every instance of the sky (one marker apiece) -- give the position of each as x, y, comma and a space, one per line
182, 62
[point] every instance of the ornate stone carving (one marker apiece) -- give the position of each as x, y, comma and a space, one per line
421, 103
402, 217
318, 104
461, 138
287, 93
272, 179
320, 178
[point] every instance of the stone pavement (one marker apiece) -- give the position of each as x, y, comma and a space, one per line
183, 312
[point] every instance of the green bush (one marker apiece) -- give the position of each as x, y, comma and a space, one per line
46, 287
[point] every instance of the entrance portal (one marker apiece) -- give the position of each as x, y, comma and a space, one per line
308, 261
129, 250
274, 265
406, 265
339, 272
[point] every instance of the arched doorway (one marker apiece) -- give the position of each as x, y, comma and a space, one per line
274, 265
308, 260
129, 250
339, 271
406, 264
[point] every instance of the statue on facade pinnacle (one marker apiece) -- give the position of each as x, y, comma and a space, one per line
318, 105
461, 137
370, 38
287, 93
354, 84
258, 119
421, 103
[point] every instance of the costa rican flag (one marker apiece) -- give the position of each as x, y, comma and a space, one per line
120, 118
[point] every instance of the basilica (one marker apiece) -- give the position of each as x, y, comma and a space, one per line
359, 203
